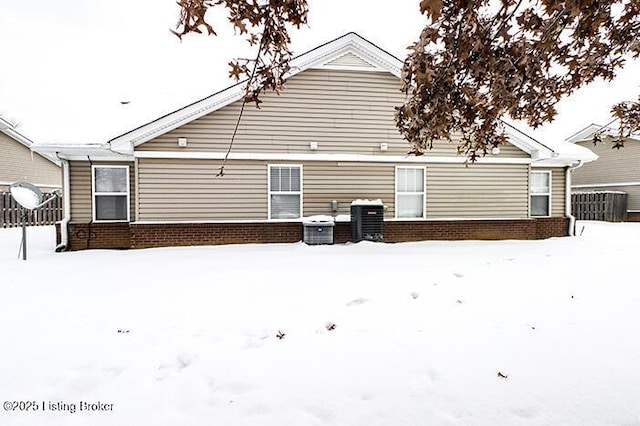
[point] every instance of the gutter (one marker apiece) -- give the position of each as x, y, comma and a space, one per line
567, 201
66, 192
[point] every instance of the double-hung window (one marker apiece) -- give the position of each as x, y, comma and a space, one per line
110, 193
540, 193
410, 192
285, 192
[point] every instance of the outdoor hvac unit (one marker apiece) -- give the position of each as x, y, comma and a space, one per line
318, 230
367, 220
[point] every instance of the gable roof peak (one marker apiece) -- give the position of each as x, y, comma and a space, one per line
9, 129
380, 60
587, 133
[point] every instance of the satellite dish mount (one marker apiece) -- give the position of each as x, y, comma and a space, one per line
29, 197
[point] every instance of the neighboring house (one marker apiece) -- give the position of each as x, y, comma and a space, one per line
615, 170
329, 136
19, 164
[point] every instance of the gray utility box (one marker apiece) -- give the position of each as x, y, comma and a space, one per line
318, 230
367, 222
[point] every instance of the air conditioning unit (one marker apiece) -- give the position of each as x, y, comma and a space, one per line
367, 220
318, 230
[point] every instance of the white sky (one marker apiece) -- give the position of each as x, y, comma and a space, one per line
66, 64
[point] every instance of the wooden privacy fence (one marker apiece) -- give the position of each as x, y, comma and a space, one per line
11, 212
610, 206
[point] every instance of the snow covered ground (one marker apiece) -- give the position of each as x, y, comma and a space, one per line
421, 333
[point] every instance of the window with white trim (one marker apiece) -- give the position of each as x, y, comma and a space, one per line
410, 192
110, 193
540, 193
285, 192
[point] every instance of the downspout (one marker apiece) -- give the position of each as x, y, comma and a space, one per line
567, 201
66, 196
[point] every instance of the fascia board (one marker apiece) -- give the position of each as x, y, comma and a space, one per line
97, 157
4, 124
584, 134
564, 160
57, 147
534, 149
17, 136
78, 151
351, 43
124, 143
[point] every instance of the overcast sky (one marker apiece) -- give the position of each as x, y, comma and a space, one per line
67, 64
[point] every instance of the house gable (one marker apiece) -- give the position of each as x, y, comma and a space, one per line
319, 56
321, 111
339, 101
350, 61
19, 163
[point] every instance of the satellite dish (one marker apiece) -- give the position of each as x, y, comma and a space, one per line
29, 197
26, 194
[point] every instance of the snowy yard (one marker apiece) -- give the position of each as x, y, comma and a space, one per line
421, 331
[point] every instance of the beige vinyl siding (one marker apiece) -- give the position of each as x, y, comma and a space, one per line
80, 189
345, 182
477, 191
80, 186
632, 191
345, 112
350, 60
557, 192
612, 166
187, 190
19, 164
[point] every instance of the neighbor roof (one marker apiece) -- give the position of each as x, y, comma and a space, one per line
9, 129
587, 133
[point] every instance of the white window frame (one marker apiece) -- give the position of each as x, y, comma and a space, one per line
424, 193
94, 193
531, 194
270, 193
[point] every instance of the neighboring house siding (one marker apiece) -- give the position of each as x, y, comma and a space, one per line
345, 112
612, 166
18, 163
187, 190
80, 186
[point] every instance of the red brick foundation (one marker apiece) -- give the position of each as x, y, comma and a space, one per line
139, 235
197, 234
84, 236
547, 227
519, 229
